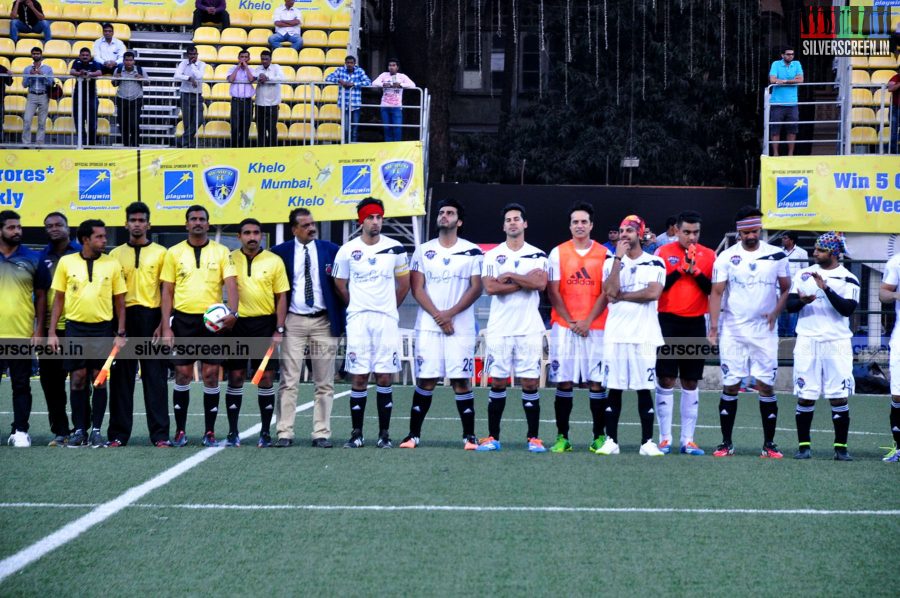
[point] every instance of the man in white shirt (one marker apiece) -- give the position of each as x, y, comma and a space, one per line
392, 82
514, 274
269, 78
190, 72
670, 234
287, 26
633, 282
787, 321
750, 288
825, 295
371, 273
889, 293
109, 51
445, 276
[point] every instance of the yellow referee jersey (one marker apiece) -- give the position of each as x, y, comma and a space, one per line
89, 286
141, 266
198, 274
258, 280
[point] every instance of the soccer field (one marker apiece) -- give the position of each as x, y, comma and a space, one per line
439, 520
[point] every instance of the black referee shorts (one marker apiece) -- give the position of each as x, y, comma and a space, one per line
88, 344
253, 327
682, 356
188, 326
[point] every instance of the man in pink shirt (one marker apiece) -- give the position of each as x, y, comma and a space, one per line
393, 82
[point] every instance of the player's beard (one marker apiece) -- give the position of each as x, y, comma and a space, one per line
14, 241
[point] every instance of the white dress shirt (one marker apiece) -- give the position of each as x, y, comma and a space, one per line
185, 70
298, 299
269, 93
288, 14
109, 51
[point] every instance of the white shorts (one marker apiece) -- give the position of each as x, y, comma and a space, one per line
519, 355
373, 343
439, 355
895, 364
823, 368
575, 358
629, 366
743, 356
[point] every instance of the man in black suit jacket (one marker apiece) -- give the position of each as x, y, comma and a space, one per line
315, 322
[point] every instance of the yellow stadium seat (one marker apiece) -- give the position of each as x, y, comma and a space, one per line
57, 65
882, 62
341, 20
284, 56
328, 132
228, 54
258, 37
20, 64
14, 104
130, 14
255, 51
339, 39
55, 48
206, 53
206, 35
301, 132
102, 13
233, 35
282, 129
316, 20
335, 57
64, 106
7, 46
207, 90
215, 129
859, 62
106, 107
314, 38
329, 112
863, 136
182, 16
303, 112
12, 124
287, 93
76, 12
157, 14
311, 56
103, 128
861, 78
4, 26
883, 116
220, 91
219, 110
861, 97
62, 30
209, 72
64, 125
878, 77
24, 46
52, 11
862, 116
221, 72
5, 61
179, 128
240, 18
284, 112
53, 107
262, 19
16, 87
303, 93
68, 87
329, 70
330, 94
88, 31
881, 97
254, 135
121, 31
105, 88
288, 71
306, 74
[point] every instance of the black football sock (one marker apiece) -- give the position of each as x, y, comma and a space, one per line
384, 397
840, 419
804, 416
646, 413
613, 409
768, 411
181, 398
598, 402
234, 397
210, 407
727, 412
562, 405
496, 405
266, 400
531, 402
420, 405
357, 408
465, 406
895, 421
98, 406
79, 399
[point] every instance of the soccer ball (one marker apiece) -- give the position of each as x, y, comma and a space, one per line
808, 285
214, 315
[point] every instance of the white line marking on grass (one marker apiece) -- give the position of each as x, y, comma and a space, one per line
102, 512
481, 509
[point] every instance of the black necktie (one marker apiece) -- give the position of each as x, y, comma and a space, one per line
307, 285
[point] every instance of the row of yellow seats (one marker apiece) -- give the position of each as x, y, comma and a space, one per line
865, 97
311, 20
296, 132
868, 116
16, 105
874, 62
280, 56
300, 93
875, 78
54, 48
62, 125
312, 38
304, 74
67, 30
324, 113
868, 136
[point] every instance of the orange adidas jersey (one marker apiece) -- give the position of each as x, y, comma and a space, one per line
581, 283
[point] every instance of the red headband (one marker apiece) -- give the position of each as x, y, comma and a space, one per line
634, 222
368, 210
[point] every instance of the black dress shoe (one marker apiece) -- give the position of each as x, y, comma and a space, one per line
322, 443
284, 443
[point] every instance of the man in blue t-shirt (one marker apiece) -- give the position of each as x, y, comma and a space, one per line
785, 74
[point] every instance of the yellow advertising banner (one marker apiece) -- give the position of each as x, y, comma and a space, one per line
858, 193
268, 7
61, 3
265, 183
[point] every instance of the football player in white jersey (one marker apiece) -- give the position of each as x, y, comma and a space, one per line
445, 276
633, 281
371, 274
514, 274
747, 280
889, 293
825, 295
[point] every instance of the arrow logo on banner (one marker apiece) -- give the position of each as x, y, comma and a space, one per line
100, 178
184, 178
798, 185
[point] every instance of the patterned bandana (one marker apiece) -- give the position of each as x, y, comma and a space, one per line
635, 222
751, 223
832, 241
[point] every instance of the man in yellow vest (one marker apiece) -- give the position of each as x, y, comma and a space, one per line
578, 318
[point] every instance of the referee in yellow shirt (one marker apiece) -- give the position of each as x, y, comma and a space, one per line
193, 274
262, 285
88, 284
141, 261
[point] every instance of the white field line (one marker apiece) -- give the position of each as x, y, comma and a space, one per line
472, 509
104, 511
